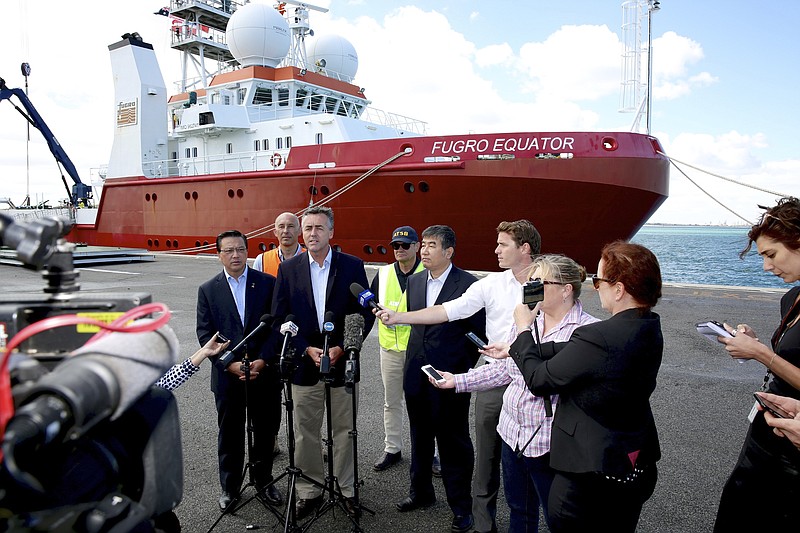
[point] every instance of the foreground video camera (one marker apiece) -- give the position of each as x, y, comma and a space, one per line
92, 445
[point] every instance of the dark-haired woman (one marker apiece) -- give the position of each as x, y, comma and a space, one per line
604, 444
768, 461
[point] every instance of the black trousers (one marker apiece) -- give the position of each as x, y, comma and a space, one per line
264, 406
591, 502
442, 415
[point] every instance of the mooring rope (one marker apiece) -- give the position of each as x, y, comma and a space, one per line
731, 180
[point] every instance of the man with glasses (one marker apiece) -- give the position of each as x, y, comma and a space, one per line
232, 303
497, 293
390, 287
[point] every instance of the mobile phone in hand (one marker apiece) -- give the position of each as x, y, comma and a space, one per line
771, 407
475, 340
712, 329
222, 339
432, 373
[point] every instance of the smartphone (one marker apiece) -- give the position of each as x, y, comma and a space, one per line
476, 340
771, 407
712, 329
222, 339
432, 373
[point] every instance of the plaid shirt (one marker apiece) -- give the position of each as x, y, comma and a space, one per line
523, 412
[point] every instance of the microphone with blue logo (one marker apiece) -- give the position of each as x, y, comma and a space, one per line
325, 360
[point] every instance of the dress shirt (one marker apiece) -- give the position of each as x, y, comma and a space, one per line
523, 412
238, 286
498, 293
319, 283
434, 286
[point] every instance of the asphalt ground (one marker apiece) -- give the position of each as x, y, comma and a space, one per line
700, 405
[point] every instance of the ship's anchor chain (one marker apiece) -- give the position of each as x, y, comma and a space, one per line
731, 180
268, 229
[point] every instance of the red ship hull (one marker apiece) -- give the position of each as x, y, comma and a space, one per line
605, 187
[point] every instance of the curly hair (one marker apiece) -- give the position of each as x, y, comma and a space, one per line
780, 223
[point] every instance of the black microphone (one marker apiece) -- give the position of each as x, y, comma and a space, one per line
227, 358
96, 382
353, 339
365, 297
288, 329
325, 360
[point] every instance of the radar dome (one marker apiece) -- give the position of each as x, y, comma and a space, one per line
334, 55
258, 35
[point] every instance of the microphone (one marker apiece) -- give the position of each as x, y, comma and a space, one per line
353, 339
96, 382
288, 329
325, 360
365, 297
227, 358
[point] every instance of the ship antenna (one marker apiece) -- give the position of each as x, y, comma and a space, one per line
300, 28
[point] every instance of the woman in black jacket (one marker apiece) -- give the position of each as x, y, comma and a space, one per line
604, 443
769, 461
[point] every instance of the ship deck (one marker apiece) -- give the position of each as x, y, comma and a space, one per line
700, 404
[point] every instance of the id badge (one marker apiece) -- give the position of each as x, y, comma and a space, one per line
753, 412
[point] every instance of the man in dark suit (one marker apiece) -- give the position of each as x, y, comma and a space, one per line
310, 286
232, 303
435, 413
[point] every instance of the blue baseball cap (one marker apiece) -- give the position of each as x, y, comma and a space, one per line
405, 234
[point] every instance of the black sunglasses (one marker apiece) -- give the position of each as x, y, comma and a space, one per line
545, 282
404, 245
596, 281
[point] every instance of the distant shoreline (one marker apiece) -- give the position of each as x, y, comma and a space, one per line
684, 225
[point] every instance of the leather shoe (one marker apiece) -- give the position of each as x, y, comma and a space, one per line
271, 494
387, 460
225, 500
307, 506
412, 504
351, 507
462, 523
436, 467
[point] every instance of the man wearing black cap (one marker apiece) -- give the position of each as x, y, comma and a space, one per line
390, 287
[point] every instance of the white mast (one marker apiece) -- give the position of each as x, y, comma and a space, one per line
300, 27
635, 96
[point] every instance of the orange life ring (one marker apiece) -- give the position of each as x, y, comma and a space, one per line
276, 159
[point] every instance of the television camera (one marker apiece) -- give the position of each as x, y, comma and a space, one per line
83, 431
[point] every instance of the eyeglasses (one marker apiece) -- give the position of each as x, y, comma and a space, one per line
404, 245
545, 282
229, 251
596, 281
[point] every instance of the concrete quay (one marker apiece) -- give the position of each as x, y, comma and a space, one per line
700, 405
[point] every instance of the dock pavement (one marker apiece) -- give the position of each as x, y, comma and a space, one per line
700, 405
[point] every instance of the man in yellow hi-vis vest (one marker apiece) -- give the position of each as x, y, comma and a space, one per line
389, 285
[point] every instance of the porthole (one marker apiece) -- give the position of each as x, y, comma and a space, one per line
382, 250
408, 187
230, 193
325, 191
424, 187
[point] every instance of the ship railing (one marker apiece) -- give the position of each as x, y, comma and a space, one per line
213, 164
393, 120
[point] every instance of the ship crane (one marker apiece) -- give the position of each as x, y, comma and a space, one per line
81, 193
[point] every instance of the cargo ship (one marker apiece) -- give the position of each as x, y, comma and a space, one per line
272, 123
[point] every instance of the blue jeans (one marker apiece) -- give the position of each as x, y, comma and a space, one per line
526, 482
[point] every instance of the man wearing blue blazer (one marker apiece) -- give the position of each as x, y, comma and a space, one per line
232, 303
310, 286
435, 413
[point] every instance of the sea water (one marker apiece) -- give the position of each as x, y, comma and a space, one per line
707, 255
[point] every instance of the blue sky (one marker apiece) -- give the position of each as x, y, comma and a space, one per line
725, 81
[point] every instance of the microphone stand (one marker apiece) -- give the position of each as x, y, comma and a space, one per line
248, 468
352, 375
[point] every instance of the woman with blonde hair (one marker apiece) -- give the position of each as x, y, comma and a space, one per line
523, 425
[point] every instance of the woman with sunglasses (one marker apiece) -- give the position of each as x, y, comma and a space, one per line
523, 426
604, 444
767, 460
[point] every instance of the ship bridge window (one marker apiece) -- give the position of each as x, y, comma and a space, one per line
343, 111
241, 93
316, 101
262, 96
283, 96
206, 118
300, 99
319, 138
330, 104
